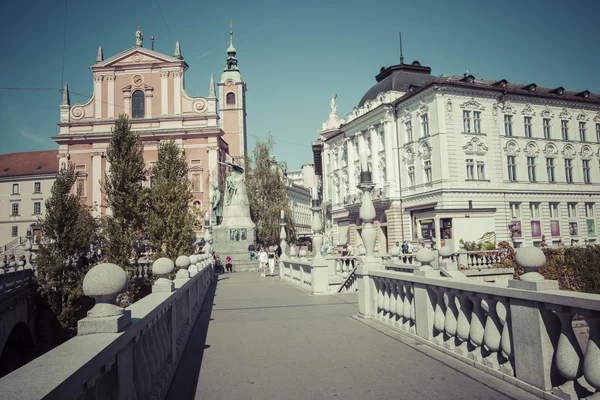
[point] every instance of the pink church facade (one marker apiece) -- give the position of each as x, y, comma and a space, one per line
149, 88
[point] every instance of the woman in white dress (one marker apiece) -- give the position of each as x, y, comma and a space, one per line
272, 258
262, 259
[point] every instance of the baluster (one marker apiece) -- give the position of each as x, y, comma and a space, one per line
591, 362
439, 316
463, 323
138, 370
338, 267
477, 329
413, 318
450, 321
393, 299
406, 307
399, 303
492, 336
506, 339
154, 358
386, 299
568, 355
377, 295
345, 264
144, 365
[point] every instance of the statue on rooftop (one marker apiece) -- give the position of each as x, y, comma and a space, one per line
139, 37
332, 104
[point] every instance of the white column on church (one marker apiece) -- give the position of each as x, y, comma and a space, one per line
108, 210
164, 92
98, 96
127, 102
96, 179
213, 165
148, 108
111, 96
325, 171
350, 167
391, 172
177, 92
375, 155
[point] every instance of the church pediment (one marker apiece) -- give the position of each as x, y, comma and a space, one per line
136, 56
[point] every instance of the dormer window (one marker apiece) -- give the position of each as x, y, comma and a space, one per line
559, 91
138, 109
531, 87
585, 94
502, 83
468, 79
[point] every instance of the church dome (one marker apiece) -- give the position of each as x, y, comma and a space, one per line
398, 78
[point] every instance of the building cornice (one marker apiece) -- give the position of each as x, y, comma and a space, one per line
28, 177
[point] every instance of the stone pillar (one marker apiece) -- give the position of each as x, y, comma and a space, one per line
164, 92
183, 275
107, 173
127, 102
104, 282
96, 182
350, 167
438, 233
98, 96
111, 95
177, 92
162, 268
391, 154
531, 259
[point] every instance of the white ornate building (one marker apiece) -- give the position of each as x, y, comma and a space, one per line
465, 157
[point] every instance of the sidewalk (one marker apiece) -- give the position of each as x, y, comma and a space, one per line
260, 338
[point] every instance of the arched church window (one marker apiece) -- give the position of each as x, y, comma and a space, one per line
230, 98
137, 110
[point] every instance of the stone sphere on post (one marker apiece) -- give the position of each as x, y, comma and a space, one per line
183, 263
395, 252
425, 257
104, 283
162, 268
303, 253
445, 252
531, 259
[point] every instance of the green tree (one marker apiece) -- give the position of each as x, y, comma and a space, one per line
268, 195
126, 198
171, 220
68, 229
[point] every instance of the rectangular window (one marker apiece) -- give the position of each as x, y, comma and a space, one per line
508, 125
480, 170
470, 169
409, 132
428, 177
80, 188
467, 121
411, 175
550, 169
515, 210
569, 170
534, 208
555, 228
527, 126
536, 229
572, 210
546, 126
425, 124
598, 133
477, 121
37, 187
15, 231
586, 171
37, 208
15, 188
531, 168
553, 210
196, 162
564, 128
15, 209
512, 168
591, 227
196, 181
589, 210
582, 131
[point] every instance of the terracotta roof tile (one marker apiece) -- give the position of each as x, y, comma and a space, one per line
29, 163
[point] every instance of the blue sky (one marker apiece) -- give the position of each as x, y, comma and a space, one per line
293, 57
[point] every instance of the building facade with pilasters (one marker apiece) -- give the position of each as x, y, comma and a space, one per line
148, 87
467, 158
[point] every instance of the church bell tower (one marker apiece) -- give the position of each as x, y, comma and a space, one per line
232, 105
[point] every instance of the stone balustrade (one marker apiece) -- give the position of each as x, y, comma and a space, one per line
14, 281
522, 333
129, 353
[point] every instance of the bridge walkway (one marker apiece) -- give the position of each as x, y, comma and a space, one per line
260, 338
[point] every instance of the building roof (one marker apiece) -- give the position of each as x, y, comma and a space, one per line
505, 88
398, 78
29, 163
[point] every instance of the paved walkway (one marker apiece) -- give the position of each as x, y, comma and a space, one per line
260, 338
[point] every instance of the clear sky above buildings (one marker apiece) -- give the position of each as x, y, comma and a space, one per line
293, 57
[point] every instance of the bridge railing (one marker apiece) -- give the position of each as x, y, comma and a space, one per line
521, 331
121, 354
14, 281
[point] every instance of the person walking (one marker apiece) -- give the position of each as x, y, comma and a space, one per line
262, 260
272, 256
